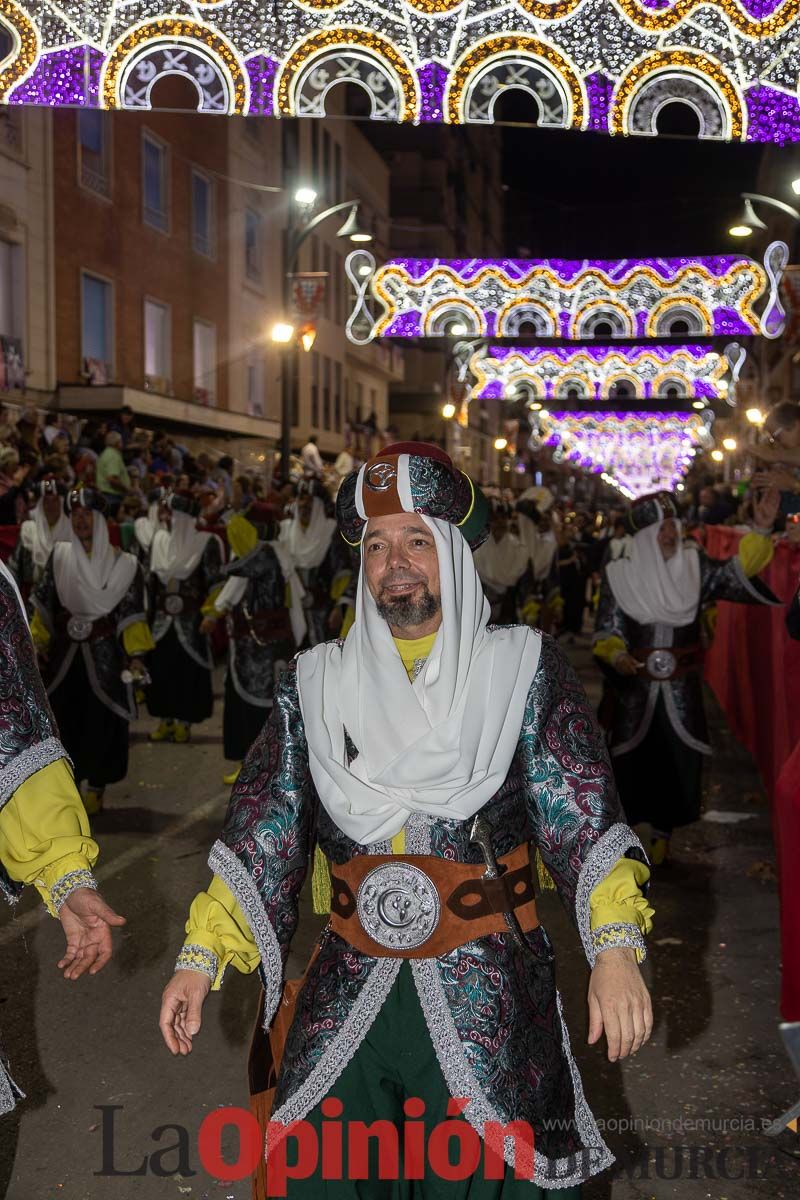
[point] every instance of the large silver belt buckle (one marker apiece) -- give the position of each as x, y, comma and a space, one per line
398, 906
79, 629
174, 605
661, 664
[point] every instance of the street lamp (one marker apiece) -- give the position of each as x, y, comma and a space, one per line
500, 443
448, 411
717, 455
729, 443
755, 416
748, 222
305, 197
282, 332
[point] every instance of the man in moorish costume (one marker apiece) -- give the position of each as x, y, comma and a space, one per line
185, 565
89, 626
44, 832
502, 564
47, 524
420, 758
263, 629
308, 537
648, 641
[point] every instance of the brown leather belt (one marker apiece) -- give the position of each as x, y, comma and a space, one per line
664, 663
421, 906
266, 625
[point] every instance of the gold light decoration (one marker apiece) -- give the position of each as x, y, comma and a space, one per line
687, 62
344, 38
516, 47
25, 47
681, 10
183, 32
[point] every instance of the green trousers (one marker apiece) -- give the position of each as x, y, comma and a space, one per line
394, 1062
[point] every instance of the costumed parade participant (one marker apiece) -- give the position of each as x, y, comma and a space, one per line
308, 537
44, 832
47, 524
535, 526
146, 528
185, 565
263, 630
90, 628
648, 640
501, 563
417, 760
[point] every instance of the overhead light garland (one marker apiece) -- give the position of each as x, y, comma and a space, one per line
636, 452
600, 373
585, 64
558, 298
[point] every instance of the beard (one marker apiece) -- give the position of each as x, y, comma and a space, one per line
406, 612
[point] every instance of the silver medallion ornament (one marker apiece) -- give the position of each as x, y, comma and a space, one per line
381, 476
398, 906
174, 605
661, 664
79, 629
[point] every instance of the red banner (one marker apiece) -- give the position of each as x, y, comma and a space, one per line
754, 669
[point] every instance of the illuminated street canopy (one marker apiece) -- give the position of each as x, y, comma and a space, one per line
575, 300
638, 452
599, 373
585, 64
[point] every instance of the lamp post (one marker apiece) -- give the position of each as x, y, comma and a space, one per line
748, 221
283, 332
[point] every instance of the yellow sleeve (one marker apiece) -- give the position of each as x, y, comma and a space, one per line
217, 934
39, 632
607, 649
137, 639
242, 535
340, 584
617, 902
45, 838
209, 607
755, 553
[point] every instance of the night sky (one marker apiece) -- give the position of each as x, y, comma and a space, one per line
578, 195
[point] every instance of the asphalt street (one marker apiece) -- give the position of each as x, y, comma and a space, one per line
685, 1117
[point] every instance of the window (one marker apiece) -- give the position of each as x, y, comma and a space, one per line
97, 348
205, 362
255, 387
337, 397
203, 239
94, 157
157, 348
326, 395
155, 184
12, 311
314, 390
252, 244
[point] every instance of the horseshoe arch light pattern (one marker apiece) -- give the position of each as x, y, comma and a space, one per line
572, 300
601, 65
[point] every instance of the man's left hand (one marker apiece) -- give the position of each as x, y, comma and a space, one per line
87, 922
619, 1003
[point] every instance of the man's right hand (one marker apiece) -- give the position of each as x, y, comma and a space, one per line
626, 664
181, 1009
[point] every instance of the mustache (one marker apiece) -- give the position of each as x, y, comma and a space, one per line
394, 577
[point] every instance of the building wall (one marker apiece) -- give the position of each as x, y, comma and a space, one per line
106, 235
27, 306
255, 300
